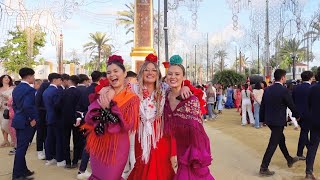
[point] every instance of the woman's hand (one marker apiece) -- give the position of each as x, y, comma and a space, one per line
185, 92
174, 163
104, 101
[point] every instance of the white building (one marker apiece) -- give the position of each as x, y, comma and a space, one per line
299, 68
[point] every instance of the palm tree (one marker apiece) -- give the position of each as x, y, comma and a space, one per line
291, 47
99, 42
313, 34
127, 19
221, 54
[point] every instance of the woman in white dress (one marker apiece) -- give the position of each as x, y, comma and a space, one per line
246, 96
6, 88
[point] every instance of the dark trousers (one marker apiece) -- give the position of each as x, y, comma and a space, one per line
41, 131
77, 143
23, 139
84, 159
303, 139
313, 148
54, 143
277, 138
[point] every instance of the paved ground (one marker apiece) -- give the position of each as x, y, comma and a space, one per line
237, 152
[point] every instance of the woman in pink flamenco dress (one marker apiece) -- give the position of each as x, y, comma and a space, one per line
111, 115
182, 119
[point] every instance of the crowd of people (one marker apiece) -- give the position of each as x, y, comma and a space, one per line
127, 125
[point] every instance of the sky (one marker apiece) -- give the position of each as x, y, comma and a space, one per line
213, 17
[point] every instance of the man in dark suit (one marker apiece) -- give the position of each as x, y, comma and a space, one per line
41, 125
273, 112
69, 101
95, 77
314, 110
54, 141
300, 98
24, 122
65, 81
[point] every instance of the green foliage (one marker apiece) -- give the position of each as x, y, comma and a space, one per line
21, 49
314, 70
99, 45
291, 47
229, 77
221, 55
126, 18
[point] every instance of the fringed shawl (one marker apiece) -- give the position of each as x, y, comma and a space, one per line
150, 129
104, 147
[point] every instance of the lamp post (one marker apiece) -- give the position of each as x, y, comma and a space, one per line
293, 56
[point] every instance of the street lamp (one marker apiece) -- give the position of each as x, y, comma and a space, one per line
293, 56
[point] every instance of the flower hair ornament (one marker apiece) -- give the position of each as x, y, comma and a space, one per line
115, 58
175, 59
152, 58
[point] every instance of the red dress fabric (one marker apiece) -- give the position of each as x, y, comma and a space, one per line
159, 165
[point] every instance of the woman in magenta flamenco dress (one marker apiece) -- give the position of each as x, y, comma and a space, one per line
182, 119
111, 115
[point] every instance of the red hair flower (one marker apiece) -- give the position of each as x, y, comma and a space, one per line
166, 65
102, 83
115, 58
152, 58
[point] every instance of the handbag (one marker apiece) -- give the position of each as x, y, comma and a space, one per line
6, 114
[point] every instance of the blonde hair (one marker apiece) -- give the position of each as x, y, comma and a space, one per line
210, 88
157, 84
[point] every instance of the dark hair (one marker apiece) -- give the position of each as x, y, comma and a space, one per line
131, 74
298, 81
318, 74
200, 87
45, 80
74, 79
82, 78
53, 76
239, 86
96, 75
120, 65
24, 72
258, 86
16, 83
246, 86
103, 74
306, 75
10, 80
278, 74
65, 77
264, 84
182, 67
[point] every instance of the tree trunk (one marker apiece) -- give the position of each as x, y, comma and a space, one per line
99, 60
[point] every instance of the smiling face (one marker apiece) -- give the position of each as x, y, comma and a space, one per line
115, 75
175, 76
150, 74
5, 80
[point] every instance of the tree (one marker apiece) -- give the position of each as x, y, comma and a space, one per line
98, 44
291, 47
229, 77
221, 55
17, 51
314, 70
126, 19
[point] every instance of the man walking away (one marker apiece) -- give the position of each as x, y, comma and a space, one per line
273, 110
314, 109
300, 98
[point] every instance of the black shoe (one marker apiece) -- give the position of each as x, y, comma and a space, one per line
302, 158
29, 173
23, 178
294, 160
74, 166
266, 172
310, 176
68, 166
